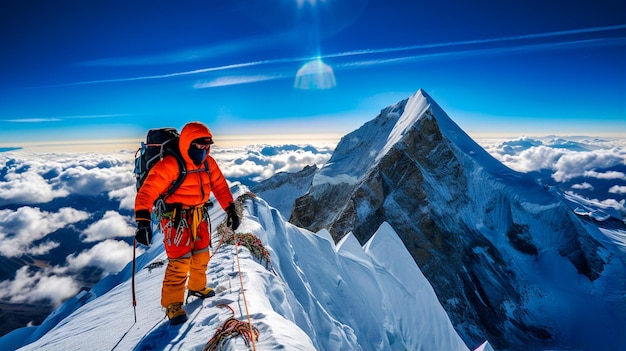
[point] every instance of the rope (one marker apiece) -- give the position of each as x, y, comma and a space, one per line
222, 228
249, 240
218, 245
231, 328
243, 294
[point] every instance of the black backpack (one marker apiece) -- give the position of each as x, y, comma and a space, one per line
159, 142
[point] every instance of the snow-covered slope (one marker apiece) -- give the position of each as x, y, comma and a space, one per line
315, 295
509, 261
282, 189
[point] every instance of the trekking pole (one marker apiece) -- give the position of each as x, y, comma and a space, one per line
133, 279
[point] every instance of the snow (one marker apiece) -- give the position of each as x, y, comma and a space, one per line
590, 208
616, 236
358, 150
484, 347
315, 296
414, 109
283, 198
335, 180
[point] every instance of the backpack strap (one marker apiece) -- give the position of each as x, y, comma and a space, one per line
182, 173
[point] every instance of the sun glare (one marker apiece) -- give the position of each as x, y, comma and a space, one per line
315, 75
310, 2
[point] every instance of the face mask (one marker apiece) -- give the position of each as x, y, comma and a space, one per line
197, 155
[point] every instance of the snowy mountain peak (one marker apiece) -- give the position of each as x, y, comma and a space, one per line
415, 108
484, 235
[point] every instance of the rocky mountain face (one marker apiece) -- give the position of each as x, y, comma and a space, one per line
490, 240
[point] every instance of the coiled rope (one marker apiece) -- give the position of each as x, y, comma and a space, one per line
229, 329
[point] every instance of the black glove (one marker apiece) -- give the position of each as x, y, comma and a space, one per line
232, 219
143, 234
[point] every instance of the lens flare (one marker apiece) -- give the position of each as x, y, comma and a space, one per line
315, 75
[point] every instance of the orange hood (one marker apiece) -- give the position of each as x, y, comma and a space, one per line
190, 132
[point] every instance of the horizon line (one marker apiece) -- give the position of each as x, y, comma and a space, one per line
243, 140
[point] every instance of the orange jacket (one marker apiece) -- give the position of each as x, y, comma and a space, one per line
198, 184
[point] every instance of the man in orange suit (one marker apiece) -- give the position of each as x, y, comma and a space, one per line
183, 217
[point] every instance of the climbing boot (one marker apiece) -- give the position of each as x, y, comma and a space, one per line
176, 313
203, 294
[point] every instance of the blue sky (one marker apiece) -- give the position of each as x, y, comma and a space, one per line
75, 70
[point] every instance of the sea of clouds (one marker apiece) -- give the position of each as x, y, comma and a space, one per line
593, 168
84, 201
42, 193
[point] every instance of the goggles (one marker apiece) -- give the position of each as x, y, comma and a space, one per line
201, 146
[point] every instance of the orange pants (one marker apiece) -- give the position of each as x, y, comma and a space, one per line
186, 258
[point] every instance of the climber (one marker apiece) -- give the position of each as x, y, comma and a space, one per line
183, 216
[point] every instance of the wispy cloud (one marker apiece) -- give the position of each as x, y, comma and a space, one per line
176, 74
231, 47
603, 42
236, 80
617, 189
605, 175
479, 41
59, 118
448, 49
31, 120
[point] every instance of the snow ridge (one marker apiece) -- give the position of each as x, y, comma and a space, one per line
315, 296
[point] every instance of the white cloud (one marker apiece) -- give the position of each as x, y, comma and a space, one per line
566, 159
30, 287
21, 228
536, 158
235, 80
126, 196
260, 162
605, 175
610, 203
618, 205
111, 225
110, 255
584, 185
32, 178
601, 162
42, 248
515, 146
617, 189
27, 187
576, 164
242, 169
83, 181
